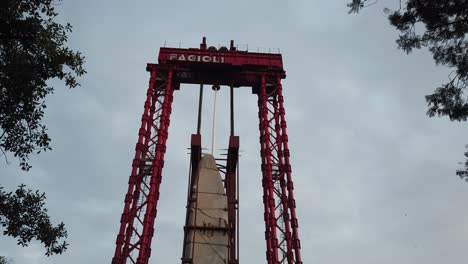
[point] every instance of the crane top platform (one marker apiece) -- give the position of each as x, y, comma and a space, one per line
223, 66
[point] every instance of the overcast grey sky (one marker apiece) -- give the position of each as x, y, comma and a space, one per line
374, 176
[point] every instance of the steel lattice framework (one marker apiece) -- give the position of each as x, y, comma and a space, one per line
261, 71
283, 244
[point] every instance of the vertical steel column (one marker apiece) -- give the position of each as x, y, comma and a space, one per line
232, 197
232, 109
195, 156
231, 187
159, 141
280, 186
135, 233
283, 246
267, 181
126, 222
200, 105
296, 243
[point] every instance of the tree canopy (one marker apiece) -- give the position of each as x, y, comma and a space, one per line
4, 260
23, 216
32, 51
441, 27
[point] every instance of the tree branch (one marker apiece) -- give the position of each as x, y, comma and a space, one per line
4, 154
450, 23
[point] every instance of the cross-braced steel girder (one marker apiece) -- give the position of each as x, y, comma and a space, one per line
281, 234
264, 73
133, 243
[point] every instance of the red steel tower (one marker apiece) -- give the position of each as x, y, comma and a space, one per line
211, 66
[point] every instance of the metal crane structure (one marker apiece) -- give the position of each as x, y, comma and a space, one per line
225, 66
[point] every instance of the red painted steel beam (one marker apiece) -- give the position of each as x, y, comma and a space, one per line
231, 193
126, 221
222, 67
195, 157
133, 244
263, 72
155, 180
208, 58
195, 153
287, 169
220, 75
267, 179
283, 245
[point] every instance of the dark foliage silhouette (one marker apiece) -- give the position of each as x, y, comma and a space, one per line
32, 52
23, 216
439, 26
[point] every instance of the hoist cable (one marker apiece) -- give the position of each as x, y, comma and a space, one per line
213, 130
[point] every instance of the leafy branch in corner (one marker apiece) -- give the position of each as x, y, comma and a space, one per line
441, 27
4, 260
23, 216
32, 51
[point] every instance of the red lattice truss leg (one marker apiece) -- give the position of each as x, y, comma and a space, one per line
137, 221
282, 240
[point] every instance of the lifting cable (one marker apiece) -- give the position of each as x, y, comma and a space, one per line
216, 88
213, 130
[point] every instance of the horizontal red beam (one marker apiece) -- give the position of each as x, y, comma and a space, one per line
192, 56
235, 76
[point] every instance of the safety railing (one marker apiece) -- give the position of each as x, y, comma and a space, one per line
239, 47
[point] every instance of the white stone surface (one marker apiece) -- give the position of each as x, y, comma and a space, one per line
209, 210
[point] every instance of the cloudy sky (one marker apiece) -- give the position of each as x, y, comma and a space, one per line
374, 176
